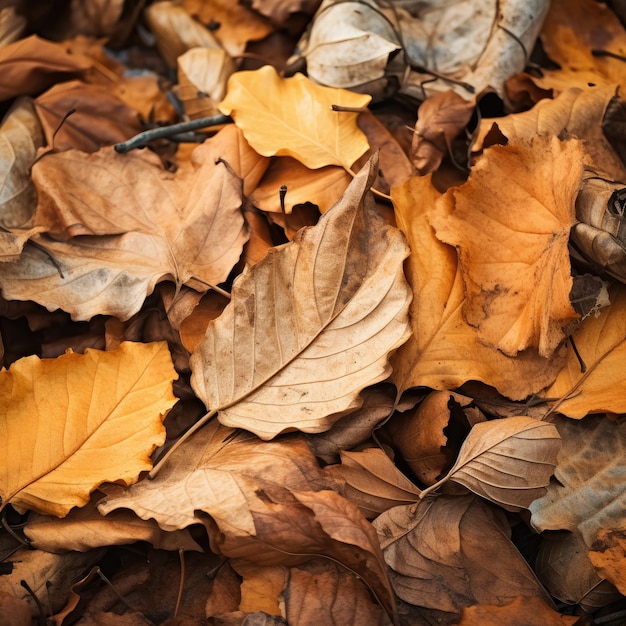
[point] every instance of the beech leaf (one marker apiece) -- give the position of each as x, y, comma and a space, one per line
292, 117
310, 325
507, 461
69, 424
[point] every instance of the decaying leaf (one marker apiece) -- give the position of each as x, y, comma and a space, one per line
608, 555
590, 493
72, 423
293, 117
512, 240
444, 351
508, 461
310, 325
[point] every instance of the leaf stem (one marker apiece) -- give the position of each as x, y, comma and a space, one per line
376, 192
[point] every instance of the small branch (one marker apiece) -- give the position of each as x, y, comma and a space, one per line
342, 109
142, 139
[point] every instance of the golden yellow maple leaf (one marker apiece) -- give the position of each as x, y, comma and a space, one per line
69, 424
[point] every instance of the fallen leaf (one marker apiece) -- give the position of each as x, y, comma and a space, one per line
608, 555
589, 493
443, 351
12, 25
100, 117
512, 241
519, 612
292, 117
14, 611
373, 482
508, 461
313, 360
261, 587
269, 503
79, 420
451, 552
96, 18
143, 224
601, 344
225, 591
279, 12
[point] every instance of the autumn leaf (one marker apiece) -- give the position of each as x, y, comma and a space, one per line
512, 241
138, 225
444, 351
608, 555
589, 494
79, 420
310, 325
292, 117
600, 341
509, 461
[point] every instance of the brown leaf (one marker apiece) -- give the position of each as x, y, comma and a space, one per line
444, 350
440, 119
608, 555
12, 25
329, 308
261, 587
589, 494
269, 503
601, 344
150, 226
72, 423
508, 461
96, 18
101, 118
14, 611
512, 240
31, 65
452, 552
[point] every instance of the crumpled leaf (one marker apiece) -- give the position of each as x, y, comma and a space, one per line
329, 308
72, 423
590, 493
601, 344
608, 555
512, 240
279, 11
444, 351
292, 117
507, 461
452, 552
269, 503
14, 611
12, 25
143, 225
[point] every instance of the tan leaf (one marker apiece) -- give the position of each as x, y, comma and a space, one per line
452, 552
261, 587
150, 226
507, 461
100, 117
608, 555
193, 327
329, 308
12, 25
96, 18
14, 611
279, 11
512, 240
72, 423
373, 482
601, 344
444, 351
589, 494
292, 117
269, 503
519, 612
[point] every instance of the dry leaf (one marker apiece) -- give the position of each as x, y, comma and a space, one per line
269, 503
14, 611
12, 26
96, 18
519, 612
373, 482
72, 423
279, 11
507, 461
601, 344
261, 587
608, 555
512, 240
589, 495
443, 351
452, 552
150, 226
292, 117
310, 325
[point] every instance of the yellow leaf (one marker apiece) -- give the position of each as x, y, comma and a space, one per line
293, 117
69, 424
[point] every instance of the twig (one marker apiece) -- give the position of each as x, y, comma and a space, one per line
144, 138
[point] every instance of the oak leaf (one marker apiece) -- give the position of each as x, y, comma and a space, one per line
293, 117
600, 342
589, 493
444, 351
69, 424
139, 225
513, 242
508, 461
310, 325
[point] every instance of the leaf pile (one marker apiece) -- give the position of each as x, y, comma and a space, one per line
337, 360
